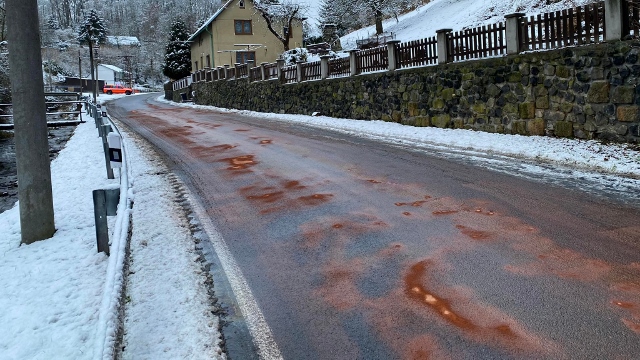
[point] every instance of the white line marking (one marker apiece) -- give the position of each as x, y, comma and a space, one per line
258, 327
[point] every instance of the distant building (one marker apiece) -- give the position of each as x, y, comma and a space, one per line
237, 33
122, 41
111, 74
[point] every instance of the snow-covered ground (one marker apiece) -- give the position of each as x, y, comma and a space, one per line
57, 295
456, 15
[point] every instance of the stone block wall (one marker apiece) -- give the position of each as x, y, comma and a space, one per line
588, 92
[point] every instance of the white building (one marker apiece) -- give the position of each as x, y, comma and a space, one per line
110, 74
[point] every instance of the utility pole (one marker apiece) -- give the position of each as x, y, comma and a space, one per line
80, 70
93, 78
35, 196
96, 58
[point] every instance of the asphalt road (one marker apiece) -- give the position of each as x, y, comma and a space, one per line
354, 249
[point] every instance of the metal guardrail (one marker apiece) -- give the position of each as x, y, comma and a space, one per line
78, 101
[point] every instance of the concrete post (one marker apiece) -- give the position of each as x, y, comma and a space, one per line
29, 116
324, 66
263, 71
299, 71
280, 65
616, 23
220, 71
249, 67
444, 55
393, 54
513, 35
353, 62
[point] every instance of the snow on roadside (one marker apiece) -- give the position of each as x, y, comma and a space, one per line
168, 314
588, 155
52, 290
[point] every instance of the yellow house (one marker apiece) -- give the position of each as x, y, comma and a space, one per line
237, 33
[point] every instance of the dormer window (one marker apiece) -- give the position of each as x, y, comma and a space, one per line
241, 4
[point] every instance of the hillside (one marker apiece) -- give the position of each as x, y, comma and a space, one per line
455, 14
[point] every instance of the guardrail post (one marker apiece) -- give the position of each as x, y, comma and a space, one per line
444, 53
105, 203
393, 54
106, 129
615, 21
353, 62
324, 66
513, 33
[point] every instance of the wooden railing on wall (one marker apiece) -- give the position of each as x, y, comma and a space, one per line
569, 27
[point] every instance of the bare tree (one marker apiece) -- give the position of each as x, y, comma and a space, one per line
281, 14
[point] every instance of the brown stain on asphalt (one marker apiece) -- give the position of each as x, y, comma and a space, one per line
315, 199
239, 163
444, 212
241, 130
265, 142
474, 234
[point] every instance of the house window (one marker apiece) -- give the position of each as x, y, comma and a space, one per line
241, 4
243, 56
243, 27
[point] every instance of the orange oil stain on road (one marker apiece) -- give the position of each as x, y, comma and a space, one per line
414, 289
406, 213
293, 185
267, 198
265, 142
418, 203
474, 234
444, 212
315, 199
243, 162
374, 181
224, 147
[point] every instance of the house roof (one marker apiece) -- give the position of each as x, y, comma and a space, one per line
211, 19
123, 40
112, 67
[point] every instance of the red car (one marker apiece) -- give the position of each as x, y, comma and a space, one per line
117, 89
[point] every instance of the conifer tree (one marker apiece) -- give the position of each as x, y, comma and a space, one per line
92, 32
177, 60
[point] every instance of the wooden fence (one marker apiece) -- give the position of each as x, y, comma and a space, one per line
339, 67
568, 27
417, 53
480, 42
374, 59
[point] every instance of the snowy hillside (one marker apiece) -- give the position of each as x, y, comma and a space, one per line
455, 14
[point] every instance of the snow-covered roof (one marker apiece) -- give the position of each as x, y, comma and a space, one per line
112, 67
206, 24
123, 40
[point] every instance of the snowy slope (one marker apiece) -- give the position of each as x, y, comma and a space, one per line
455, 14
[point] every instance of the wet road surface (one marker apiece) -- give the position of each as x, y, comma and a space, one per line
357, 250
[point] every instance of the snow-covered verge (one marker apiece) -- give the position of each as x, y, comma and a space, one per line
587, 155
59, 296
455, 14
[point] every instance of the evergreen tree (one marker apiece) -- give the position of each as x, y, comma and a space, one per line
92, 31
177, 61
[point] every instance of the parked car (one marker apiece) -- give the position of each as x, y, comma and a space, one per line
116, 89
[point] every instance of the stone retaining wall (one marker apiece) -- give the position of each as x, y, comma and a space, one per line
583, 92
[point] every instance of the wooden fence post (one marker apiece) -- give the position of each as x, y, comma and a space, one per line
444, 55
615, 21
513, 35
392, 54
353, 62
324, 66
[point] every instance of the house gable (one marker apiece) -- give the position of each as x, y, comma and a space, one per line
237, 33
